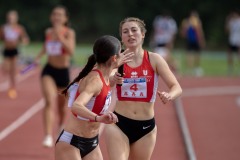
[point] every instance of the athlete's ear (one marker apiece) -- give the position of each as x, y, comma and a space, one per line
143, 36
114, 58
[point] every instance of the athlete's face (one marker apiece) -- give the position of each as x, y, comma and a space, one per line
12, 17
58, 16
132, 35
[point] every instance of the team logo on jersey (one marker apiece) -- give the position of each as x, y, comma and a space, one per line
94, 143
145, 72
134, 74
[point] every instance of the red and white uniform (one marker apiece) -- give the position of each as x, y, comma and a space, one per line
54, 47
11, 33
140, 83
98, 104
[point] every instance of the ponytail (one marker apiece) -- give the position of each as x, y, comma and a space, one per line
88, 67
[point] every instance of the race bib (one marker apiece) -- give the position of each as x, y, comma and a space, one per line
54, 48
134, 88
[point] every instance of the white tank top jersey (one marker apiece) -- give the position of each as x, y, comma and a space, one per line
234, 32
98, 104
10, 33
165, 28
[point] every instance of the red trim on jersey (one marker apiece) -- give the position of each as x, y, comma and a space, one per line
97, 104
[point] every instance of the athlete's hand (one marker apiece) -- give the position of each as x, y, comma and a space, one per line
117, 78
124, 57
58, 33
164, 96
107, 118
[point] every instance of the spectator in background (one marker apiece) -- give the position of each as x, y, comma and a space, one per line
164, 31
13, 34
233, 29
191, 30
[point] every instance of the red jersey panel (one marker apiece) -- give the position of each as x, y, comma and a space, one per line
98, 104
140, 83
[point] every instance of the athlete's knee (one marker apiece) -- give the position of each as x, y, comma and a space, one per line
49, 103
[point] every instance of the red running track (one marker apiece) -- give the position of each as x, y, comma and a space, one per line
213, 124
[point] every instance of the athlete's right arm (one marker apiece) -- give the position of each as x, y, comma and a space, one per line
42, 51
89, 88
92, 87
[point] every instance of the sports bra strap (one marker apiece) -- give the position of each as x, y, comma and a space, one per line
101, 76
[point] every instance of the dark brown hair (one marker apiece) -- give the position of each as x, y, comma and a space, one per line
104, 48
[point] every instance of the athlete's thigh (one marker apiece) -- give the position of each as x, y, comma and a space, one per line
49, 87
139, 152
61, 99
6, 64
65, 151
96, 154
117, 143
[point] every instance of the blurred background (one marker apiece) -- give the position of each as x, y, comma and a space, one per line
210, 103
90, 19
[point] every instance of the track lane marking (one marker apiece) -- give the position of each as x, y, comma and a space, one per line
5, 85
185, 129
28, 114
22, 119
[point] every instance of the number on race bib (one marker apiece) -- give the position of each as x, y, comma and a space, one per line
134, 87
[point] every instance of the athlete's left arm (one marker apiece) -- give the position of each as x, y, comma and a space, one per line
68, 41
161, 68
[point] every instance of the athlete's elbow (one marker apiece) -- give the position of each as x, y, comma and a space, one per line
74, 108
179, 91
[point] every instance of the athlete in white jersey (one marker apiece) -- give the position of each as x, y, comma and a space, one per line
13, 34
164, 31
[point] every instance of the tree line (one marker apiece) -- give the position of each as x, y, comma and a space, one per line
97, 17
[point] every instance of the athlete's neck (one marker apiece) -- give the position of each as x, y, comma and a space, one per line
137, 58
138, 52
106, 72
12, 24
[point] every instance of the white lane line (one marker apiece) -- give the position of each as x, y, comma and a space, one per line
22, 119
5, 85
211, 91
26, 116
185, 130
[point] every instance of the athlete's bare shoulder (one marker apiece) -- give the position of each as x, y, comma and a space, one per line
92, 82
156, 60
154, 56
